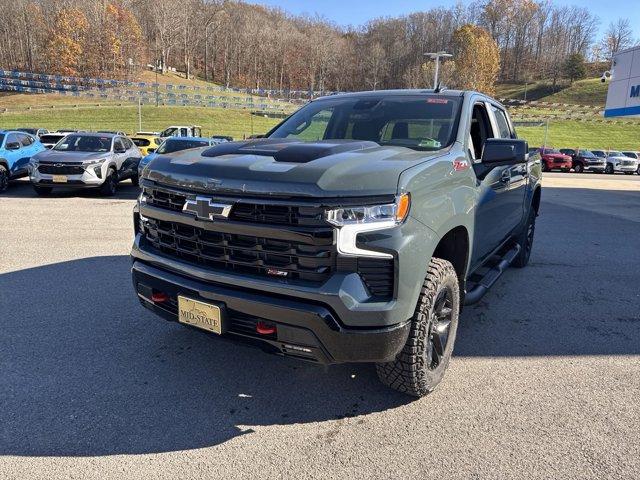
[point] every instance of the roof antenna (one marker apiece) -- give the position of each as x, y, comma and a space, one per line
439, 88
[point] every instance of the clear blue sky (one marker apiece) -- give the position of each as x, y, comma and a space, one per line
358, 12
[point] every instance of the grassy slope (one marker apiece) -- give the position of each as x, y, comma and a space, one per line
239, 123
214, 121
584, 92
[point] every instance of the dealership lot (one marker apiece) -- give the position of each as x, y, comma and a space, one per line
544, 382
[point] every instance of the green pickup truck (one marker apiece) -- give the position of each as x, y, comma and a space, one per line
354, 231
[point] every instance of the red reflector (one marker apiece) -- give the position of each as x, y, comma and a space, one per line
264, 328
159, 297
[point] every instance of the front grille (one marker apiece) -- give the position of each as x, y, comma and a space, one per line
245, 210
53, 169
314, 261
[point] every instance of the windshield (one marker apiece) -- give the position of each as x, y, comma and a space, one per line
548, 151
170, 146
586, 154
616, 154
631, 154
51, 138
420, 122
84, 143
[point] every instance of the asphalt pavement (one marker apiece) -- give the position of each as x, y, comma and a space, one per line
544, 383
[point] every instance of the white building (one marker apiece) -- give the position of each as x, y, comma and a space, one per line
623, 97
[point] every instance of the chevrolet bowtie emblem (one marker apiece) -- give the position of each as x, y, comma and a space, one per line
205, 208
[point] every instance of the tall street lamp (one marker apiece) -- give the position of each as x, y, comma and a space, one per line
437, 56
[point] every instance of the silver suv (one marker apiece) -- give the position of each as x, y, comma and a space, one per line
82, 160
619, 162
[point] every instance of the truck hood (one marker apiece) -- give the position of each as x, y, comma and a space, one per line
291, 168
62, 157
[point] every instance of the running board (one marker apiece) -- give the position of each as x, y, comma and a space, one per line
490, 277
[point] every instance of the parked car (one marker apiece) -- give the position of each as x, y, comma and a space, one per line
146, 143
584, 160
36, 132
222, 138
114, 132
81, 160
16, 149
361, 245
635, 155
51, 139
176, 144
182, 131
618, 162
552, 159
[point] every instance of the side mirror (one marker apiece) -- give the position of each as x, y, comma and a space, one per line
13, 146
499, 151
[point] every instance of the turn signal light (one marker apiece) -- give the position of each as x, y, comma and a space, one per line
404, 201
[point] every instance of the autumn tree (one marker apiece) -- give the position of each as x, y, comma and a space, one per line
477, 60
66, 40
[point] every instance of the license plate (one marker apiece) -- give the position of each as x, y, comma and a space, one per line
59, 179
199, 314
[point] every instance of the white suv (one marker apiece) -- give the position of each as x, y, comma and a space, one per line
82, 160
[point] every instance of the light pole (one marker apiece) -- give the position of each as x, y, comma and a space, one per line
437, 56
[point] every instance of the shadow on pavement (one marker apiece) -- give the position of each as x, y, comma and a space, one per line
87, 371
23, 189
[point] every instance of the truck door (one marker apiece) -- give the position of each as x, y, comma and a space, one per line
494, 216
518, 174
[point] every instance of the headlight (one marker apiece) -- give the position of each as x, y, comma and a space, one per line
93, 162
352, 221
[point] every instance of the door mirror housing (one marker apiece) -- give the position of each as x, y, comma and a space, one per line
501, 151
13, 146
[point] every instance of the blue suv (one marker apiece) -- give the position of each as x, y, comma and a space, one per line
16, 150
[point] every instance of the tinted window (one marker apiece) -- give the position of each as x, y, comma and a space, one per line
127, 143
504, 131
118, 145
587, 154
1, 138
631, 154
84, 143
421, 122
26, 140
13, 138
50, 138
170, 146
141, 142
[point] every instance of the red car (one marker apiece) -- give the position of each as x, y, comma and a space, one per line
553, 159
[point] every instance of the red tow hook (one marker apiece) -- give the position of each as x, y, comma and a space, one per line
264, 328
159, 297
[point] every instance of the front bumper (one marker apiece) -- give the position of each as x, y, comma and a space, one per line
87, 179
625, 168
304, 329
594, 167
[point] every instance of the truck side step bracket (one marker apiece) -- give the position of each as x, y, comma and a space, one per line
481, 283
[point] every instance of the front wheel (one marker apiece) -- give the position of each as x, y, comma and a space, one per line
608, 169
4, 178
110, 184
421, 364
578, 168
545, 167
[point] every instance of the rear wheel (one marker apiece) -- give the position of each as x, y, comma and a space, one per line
4, 178
42, 190
525, 240
578, 168
110, 184
421, 364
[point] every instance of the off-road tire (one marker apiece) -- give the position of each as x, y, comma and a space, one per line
412, 372
109, 186
525, 240
42, 191
4, 178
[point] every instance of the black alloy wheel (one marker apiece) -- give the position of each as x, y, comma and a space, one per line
4, 178
440, 327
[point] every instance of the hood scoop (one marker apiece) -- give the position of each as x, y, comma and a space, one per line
289, 150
